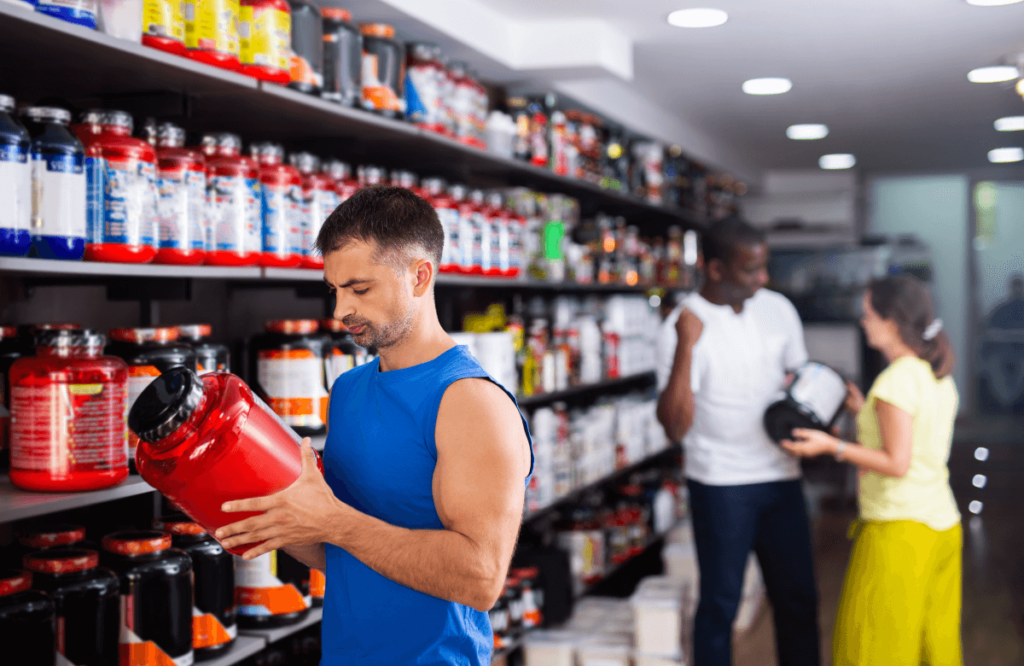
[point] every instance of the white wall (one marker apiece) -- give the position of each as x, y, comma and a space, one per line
935, 209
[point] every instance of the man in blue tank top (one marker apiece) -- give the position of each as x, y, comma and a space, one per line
416, 516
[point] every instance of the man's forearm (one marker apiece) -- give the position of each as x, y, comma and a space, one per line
676, 405
313, 556
441, 563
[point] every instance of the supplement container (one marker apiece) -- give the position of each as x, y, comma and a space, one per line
213, 617
120, 173
383, 72
265, 39
288, 364
343, 57
448, 214
207, 440
307, 53
58, 185
211, 32
89, 125
210, 356
516, 228
15, 183
463, 240
181, 207
318, 201
425, 80
68, 407
282, 207
496, 220
271, 590
10, 351
345, 354
234, 202
163, 26
148, 353
533, 596
43, 537
156, 596
79, 12
406, 179
474, 232
27, 619
87, 601
344, 184
121, 19
813, 399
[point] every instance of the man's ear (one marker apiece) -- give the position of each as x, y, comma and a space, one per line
423, 273
715, 270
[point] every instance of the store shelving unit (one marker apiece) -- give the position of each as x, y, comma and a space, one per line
17, 504
609, 385
273, 635
244, 647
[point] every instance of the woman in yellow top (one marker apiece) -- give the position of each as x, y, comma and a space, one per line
900, 603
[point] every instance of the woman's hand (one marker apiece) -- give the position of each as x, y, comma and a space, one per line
854, 398
808, 443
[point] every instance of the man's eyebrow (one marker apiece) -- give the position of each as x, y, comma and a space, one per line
350, 283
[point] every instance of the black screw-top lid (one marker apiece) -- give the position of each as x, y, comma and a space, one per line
165, 404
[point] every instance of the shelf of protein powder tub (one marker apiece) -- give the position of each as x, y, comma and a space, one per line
244, 647
17, 504
578, 493
610, 384
55, 57
276, 634
26, 266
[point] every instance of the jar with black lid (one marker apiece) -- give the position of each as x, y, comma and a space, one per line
156, 594
214, 625
87, 601
287, 364
210, 356
383, 73
42, 537
27, 620
343, 57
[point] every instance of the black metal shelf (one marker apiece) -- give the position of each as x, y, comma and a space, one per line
587, 389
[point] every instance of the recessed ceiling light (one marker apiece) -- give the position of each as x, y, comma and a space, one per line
1004, 155
837, 161
992, 3
698, 18
993, 74
767, 86
1010, 124
807, 132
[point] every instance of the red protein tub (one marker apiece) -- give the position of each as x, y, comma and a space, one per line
208, 440
181, 209
233, 202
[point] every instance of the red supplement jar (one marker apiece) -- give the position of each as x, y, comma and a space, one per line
10, 351
121, 215
68, 407
207, 440
181, 206
233, 202
89, 125
341, 174
319, 201
281, 185
448, 214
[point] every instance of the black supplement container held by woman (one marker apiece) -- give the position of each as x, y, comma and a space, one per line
287, 363
307, 56
87, 601
27, 621
214, 625
210, 356
156, 597
343, 57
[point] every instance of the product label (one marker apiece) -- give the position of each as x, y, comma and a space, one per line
423, 95
235, 219
469, 241
820, 390
488, 242
377, 96
126, 193
319, 204
278, 218
338, 364
138, 652
505, 246
139, 377
259, 592
181, 209
294, 383
67, 428
207, 630
211, 25
163, 18
81, 12
58, 195
449, 218
265, 37
15, 188
298, 212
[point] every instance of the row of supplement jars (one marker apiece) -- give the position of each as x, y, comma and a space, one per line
166, 595
93, 190
61, 369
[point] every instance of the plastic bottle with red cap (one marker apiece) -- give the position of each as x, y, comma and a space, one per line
163, 26
475, 233
211, 32
467, 234
121, 209
68, 407
181, 207
234, 202
27, 620
87, 602
345, 185
265, 38
319, 199
447, 210
281, 185
287, 363
214, 618
516, 236
156, 580
89, 125
499, 219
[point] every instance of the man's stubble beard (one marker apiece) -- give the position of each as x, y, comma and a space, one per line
388, 334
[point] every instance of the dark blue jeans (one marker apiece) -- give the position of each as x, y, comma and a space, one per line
770, 519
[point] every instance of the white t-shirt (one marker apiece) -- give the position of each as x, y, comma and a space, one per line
739, 368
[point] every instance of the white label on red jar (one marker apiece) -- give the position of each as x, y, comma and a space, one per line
449, 218
181, 209
294, 384
66, 428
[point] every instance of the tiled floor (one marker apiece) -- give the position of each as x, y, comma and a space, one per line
993, 581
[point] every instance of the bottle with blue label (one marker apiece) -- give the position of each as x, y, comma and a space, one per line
233, 198
58, 184
281, 184
79, 12
181, 206
15, 183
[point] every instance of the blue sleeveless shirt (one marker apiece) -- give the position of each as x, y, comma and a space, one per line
379, 458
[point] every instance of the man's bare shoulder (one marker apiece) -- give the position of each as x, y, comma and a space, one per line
475, 397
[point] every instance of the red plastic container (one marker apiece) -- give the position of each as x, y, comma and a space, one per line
447, 210
68, 407
163, 26
89, 125
320, 198
181, 184
266, 40
472, 219
234, 201
496, 220
281, 185
516, 231
344, 184
121, 209
208, 440
211, 33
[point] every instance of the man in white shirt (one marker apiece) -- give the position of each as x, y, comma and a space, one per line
723, 358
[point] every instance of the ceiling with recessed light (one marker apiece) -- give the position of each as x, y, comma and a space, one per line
889, 79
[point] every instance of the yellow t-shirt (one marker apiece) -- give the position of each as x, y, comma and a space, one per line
923, 494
